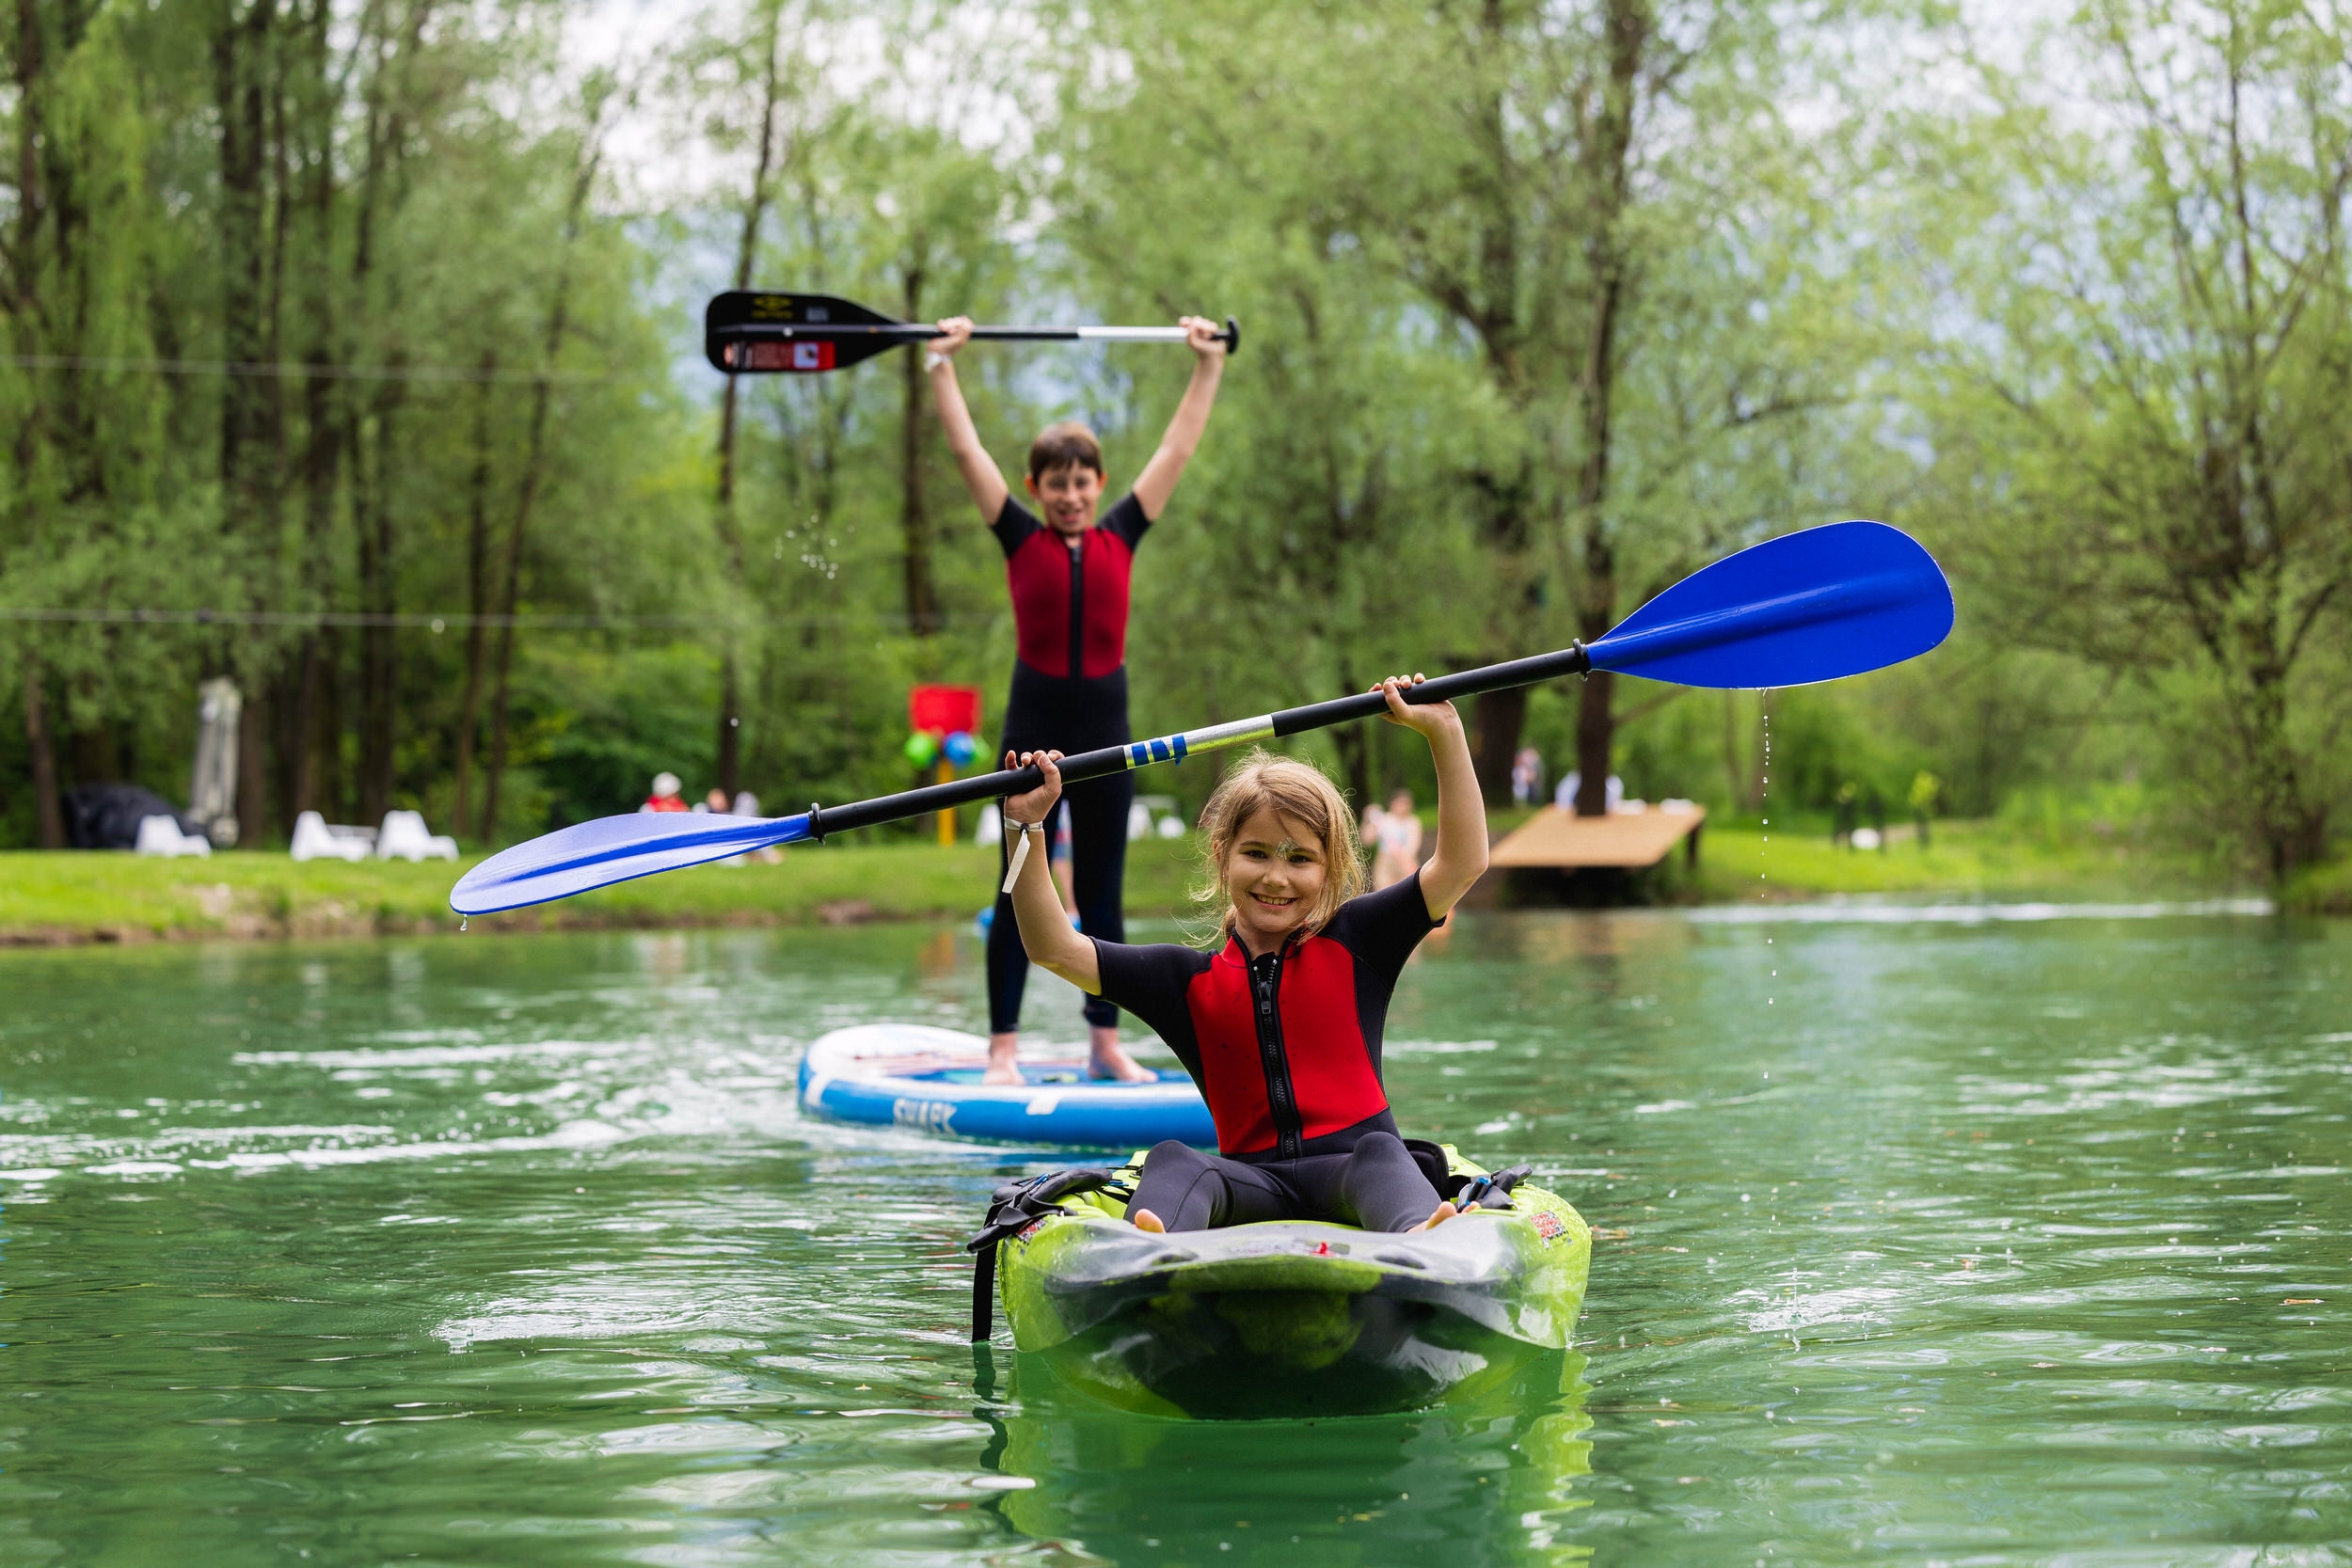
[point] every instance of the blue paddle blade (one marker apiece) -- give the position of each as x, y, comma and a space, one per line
1815, 606
614, 850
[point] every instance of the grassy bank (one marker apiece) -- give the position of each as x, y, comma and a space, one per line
2321, 890
87, 896
1962, 860
66, 897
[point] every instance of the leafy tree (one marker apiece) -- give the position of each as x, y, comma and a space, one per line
2144, 392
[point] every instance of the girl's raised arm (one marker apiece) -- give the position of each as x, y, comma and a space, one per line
1157, 482
981, 477
1460, 858
1044, 926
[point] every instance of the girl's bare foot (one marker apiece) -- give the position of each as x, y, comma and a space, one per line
1146, 1220
1003, 1061
1444, 1212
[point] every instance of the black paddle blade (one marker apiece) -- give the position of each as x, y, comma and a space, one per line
741, 333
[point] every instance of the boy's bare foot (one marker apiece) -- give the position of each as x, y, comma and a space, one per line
1003, 1060
1444, 1212
1146, 1220
1105, 1058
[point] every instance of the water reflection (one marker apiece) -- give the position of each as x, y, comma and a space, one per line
1490, 1482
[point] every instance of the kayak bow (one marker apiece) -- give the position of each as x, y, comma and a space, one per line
1291, 1318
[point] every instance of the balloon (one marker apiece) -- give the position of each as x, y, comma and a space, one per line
922, 746
960, 748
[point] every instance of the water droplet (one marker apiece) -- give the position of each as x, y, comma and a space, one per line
461, 922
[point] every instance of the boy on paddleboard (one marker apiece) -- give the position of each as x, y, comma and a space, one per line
1281, 1027
1069, 574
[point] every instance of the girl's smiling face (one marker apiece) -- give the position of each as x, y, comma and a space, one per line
1274, 875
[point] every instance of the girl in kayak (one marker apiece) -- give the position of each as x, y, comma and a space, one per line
1282, 1028
1069, 575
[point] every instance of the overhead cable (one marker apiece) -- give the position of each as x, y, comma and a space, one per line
459, 621
296, 370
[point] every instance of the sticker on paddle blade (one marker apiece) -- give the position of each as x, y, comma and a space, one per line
1549, 1226
803, 359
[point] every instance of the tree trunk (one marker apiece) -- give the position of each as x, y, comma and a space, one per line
253, 770
48, 808
252, 430
24, 283
334, 796
1736, 754
730, 758
1354, 743
730, 746
250, 422
380, 597
511, 578
1498, 718
283, 701
914, 517
319, 469
534, 466
477, 597
498, 732
2292, 831
1627, 22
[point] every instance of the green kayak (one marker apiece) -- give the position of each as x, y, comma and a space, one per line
1292, 1318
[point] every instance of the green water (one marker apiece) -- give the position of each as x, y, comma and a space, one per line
2012, 1241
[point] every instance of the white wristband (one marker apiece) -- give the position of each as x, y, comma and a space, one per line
932, 359
1020, 850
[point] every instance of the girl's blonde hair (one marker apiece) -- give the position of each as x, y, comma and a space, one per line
1292, 789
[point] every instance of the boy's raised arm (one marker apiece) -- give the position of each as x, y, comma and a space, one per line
1157, 482
1460, 857
988, 486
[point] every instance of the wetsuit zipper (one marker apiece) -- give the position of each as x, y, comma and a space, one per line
1078, 609
1265, 991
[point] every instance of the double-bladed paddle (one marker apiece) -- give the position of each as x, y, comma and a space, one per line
755, 331
1809, 607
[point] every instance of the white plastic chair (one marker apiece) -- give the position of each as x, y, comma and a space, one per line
161, 835
314, 841
405, 836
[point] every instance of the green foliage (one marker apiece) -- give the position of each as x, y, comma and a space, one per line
1543, 306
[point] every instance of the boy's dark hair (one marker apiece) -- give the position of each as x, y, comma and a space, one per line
1064, 445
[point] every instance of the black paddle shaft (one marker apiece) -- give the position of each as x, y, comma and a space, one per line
1570, 660
918, 332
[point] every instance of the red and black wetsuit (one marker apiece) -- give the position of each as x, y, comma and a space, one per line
1070, 693
1286, 1050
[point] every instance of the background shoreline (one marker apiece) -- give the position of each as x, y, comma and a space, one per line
67, 898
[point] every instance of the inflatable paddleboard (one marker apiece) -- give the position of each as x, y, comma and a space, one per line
928, 1079
1288, 1319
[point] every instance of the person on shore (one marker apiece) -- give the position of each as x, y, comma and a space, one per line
1281, 1027
1395, 837
1068, 576
1527, 777
665, 795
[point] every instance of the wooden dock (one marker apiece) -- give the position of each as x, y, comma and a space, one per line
1622, 840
